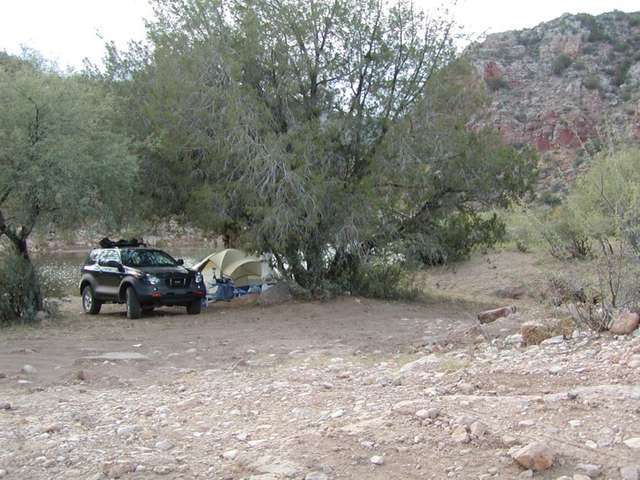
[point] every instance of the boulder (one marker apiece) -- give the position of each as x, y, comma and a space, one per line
278, 293
535, 456
489, 316
533, 333
625, 323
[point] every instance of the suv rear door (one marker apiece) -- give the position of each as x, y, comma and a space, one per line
108, 278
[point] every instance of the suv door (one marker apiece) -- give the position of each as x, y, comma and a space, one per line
109, 277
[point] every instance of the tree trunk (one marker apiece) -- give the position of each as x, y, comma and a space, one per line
34, 293
18, 237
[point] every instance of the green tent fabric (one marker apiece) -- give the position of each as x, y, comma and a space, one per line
235, 264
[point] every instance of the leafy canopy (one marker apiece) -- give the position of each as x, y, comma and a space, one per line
331, 134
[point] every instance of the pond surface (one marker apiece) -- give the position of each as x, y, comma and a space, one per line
60, 271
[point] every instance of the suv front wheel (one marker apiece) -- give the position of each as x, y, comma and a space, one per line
89, 303
134, 310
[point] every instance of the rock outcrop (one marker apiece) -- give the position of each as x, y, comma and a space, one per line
564, 87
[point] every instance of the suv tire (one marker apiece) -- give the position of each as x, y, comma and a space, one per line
195, 307
90, 305
134, 310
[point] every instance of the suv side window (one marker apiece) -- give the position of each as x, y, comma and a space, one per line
110, 255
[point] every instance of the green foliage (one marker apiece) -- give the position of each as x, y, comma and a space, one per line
330, 135
597, 32
592, 82
561, 63
61, 162
16, 290
497, 83
621, 73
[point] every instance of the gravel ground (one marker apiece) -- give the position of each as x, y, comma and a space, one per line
351, 388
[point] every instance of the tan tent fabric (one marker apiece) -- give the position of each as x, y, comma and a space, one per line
234, 264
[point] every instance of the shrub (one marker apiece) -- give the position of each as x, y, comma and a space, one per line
592, 82
561, 63
15, 290
565, 236
387, 281
620, 73
496, 84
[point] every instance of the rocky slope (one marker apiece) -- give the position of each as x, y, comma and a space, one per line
567, 87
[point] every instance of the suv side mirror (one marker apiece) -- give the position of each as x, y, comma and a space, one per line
180, 261
112, 264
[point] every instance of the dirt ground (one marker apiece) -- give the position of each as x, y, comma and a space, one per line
350, 389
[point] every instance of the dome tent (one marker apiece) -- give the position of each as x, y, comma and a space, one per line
242, 269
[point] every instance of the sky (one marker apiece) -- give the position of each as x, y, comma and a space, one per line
67, 31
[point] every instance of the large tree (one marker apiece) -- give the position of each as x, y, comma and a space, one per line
61, 162
296, 127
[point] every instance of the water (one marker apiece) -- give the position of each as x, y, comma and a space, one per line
60, 271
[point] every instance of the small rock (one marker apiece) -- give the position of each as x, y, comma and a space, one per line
515, 339
630, 472
558, 339
337, 414
526, 474
632, 442
3, 472
230, 454
316, 476
377, 460
460, 435
478, 429
29, 369
509, 441
625, 323
119, 469
163, 469
592, 471
52, 428
489, 316
5, 406
164, 445
526, 423
466, 388
535, 456
579, 476
125, 430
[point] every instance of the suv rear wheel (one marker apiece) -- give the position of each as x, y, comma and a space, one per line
194, 307
134, 310
90, 305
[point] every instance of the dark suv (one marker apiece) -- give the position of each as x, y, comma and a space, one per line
143, 278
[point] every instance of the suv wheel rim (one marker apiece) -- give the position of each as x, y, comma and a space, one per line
87, 300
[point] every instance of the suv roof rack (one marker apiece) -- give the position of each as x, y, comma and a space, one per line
108, 243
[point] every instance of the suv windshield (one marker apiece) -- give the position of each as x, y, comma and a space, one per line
147, 258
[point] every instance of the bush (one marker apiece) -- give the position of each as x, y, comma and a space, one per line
16, 290
592, 82
620, 73
496, 84
390, 282
561, 63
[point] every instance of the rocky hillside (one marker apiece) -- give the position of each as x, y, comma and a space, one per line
566, 87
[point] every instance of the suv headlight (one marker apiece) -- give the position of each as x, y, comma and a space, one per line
152, 280
198, 277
